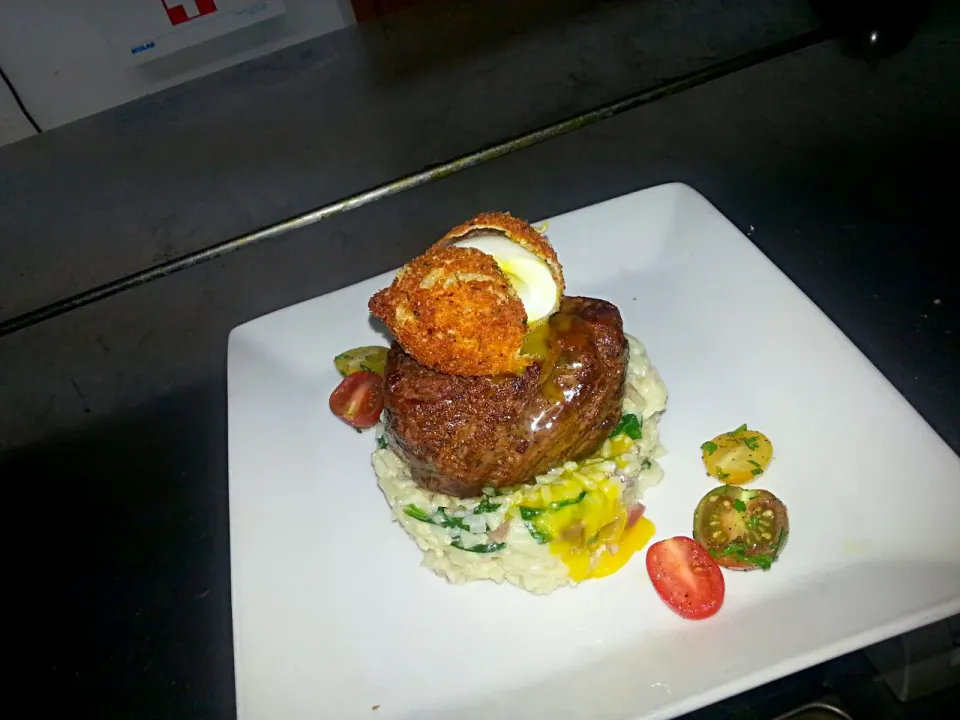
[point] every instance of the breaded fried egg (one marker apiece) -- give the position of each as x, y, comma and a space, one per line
464, 306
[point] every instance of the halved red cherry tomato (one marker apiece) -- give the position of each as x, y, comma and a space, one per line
358, 399
686, 577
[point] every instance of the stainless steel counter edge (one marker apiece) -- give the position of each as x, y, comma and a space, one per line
603, 112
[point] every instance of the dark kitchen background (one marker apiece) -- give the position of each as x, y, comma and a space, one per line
837, 158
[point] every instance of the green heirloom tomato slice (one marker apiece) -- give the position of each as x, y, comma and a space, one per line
744, 529
371, 358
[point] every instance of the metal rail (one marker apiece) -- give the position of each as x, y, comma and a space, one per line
634, 100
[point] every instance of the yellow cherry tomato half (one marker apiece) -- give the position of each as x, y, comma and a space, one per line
737, 457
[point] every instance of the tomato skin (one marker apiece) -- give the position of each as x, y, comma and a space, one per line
358, 399
686, 577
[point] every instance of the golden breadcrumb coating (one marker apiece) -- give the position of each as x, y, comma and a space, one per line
516, 230
454, 311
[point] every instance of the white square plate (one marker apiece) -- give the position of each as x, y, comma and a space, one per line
333, 615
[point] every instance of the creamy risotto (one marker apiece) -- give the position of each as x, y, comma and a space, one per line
571, 525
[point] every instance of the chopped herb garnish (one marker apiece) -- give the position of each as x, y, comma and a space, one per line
756, 471
734, 549
381, 442
739, 505
761, 561
529, 513
755, 464
441, 519
569, 501
752, 442
721, 475
485, 506
709, 447
536, 533
447, 521
739, 429
631, 425
753, 523
418, 514
482, 548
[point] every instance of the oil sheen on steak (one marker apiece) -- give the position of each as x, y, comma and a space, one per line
462, 434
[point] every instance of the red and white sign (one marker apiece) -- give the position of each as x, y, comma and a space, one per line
141, 30
181, 11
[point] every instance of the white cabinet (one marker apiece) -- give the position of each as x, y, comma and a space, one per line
69, 60
142, 30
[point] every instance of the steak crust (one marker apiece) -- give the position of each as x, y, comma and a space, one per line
461, 434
